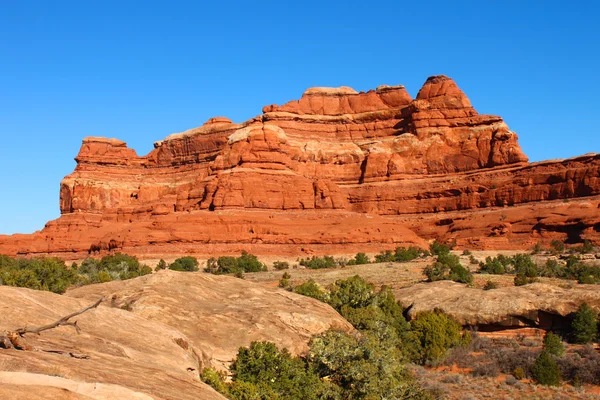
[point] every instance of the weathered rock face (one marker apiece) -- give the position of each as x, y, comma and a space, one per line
536, 305
220, 314
127, 356
334, 153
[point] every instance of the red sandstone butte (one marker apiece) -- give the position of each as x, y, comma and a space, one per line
335, 172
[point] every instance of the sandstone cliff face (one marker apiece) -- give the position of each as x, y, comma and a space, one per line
378, 154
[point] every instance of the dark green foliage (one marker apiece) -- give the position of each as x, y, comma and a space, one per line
537, 249
551, 269
385, 256
362, 368
433, 333
161, 265
557, 246
495, 265
310, 289
404, 254
216, 379
521, 280
281, 265
585, 325
545, 371
284, 282
112, 267
489, 285
318, 262
466, 252
37, 273
553, 345
232, 265
436, 248
523, 264
359, 259
448, 267
353, 292
186, 264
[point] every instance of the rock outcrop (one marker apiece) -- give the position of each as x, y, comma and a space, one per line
538, 305
151, 337
333, 170
220, 314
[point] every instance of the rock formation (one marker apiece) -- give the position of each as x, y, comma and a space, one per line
539, 305
334, 170
151, 337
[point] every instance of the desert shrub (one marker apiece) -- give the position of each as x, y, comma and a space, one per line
511, 359
521, 280
403, 254
433, 333
553, 345
466, 252
274, 373
216, 379
281, 265
489, 369
161, 265
586, 247
311, 289
448, 267
581, 367
557, 247
232, 265
436, 248
523, 264
187, 264
385, 256
538, 248
249, 263
545, 371
113, 267
551, 269
519, 373
495, 265
473, 260
584, 327
361, 367
41, 273
489, 285
353, 292
284, 282
319, 262
359, 259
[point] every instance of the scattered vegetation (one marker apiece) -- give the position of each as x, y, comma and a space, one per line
585, 325
186, 264
545, 371
448, 267
234, 265
52, 274
318, 262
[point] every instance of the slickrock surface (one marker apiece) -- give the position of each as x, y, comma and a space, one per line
130, 357
220, 314
538, 304
336, 169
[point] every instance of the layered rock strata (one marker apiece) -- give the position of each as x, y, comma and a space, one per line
337, 168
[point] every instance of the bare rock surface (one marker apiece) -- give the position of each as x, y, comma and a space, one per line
220, 314
117, 355
538, 304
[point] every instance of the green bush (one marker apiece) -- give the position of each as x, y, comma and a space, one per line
310, 289
489, 285
284, 282
403, 254
186, 264
232, 265
553, 345
436, 248
432, 334
112, 267
281, 265
161, 265
448, 267
359, 259
385, 256
557, 246
353, 292
318, 262
545, 371
495, 265
584, 327
41, 273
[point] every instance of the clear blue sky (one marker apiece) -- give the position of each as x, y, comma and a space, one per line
139, 71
